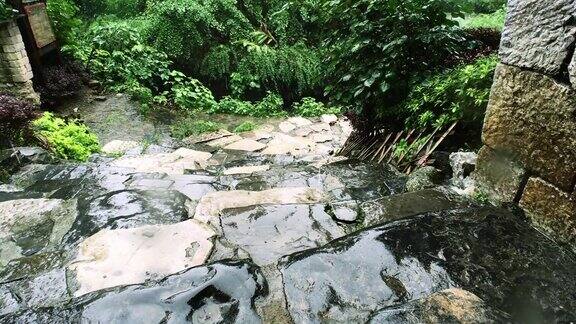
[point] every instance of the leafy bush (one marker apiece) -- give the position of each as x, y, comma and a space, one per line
309, 107
122, 8
68, 139
247, 126
288, 70
64, 17
16, 116
60, 81
187, 29
461, 93
190, 94
6, 11
228, 105
378, 47
190, 126
269, 106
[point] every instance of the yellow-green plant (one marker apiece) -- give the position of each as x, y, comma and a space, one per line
68, 139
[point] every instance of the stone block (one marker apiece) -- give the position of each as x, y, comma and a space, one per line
498, 176
538, 34
532, 118
13, 56
550, 208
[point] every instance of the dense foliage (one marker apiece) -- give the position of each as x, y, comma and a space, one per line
6, 11
58, 82
68, 139
377, 47
271, 57
16, 116
458, 94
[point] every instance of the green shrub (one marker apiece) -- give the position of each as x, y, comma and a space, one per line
190, 94
228, 105
309, 107
461, 93
376, 48
68, 139
188, 29
64, 17
122, 8
190, 126
269, 106
493, 20
290, 71
6, 11
247, 126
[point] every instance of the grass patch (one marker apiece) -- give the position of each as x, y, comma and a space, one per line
191, 126
246, 126
494, 20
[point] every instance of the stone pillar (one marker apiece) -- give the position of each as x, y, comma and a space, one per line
529, 136
15, 70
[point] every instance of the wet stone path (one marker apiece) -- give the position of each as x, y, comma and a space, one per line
267, 226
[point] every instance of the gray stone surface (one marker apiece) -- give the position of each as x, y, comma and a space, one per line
498, 176
551, 209
423, 178
538, 34
447, 306
532, 118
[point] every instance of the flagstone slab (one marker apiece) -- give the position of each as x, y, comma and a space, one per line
121, 257
246, 169
213, 203
246, 144
176, 162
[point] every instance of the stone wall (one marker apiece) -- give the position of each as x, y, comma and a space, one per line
15, 70
529, 153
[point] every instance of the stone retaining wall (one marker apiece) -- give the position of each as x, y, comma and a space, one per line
15, 70
529, 153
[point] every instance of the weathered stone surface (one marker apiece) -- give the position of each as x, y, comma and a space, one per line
207, 137
299, 121
213, 203
462, 165
29, 226
223, 292
131, 256
532, 118
423, 178
227, 140
538, 34
447, 306
248, 145
286, 127
127, 209
329, 118
491, 253
400, 206
550, 208
345, 211
286, 144
269, 232
498, 176
34, 155
176, 162
246, 169
119, 147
